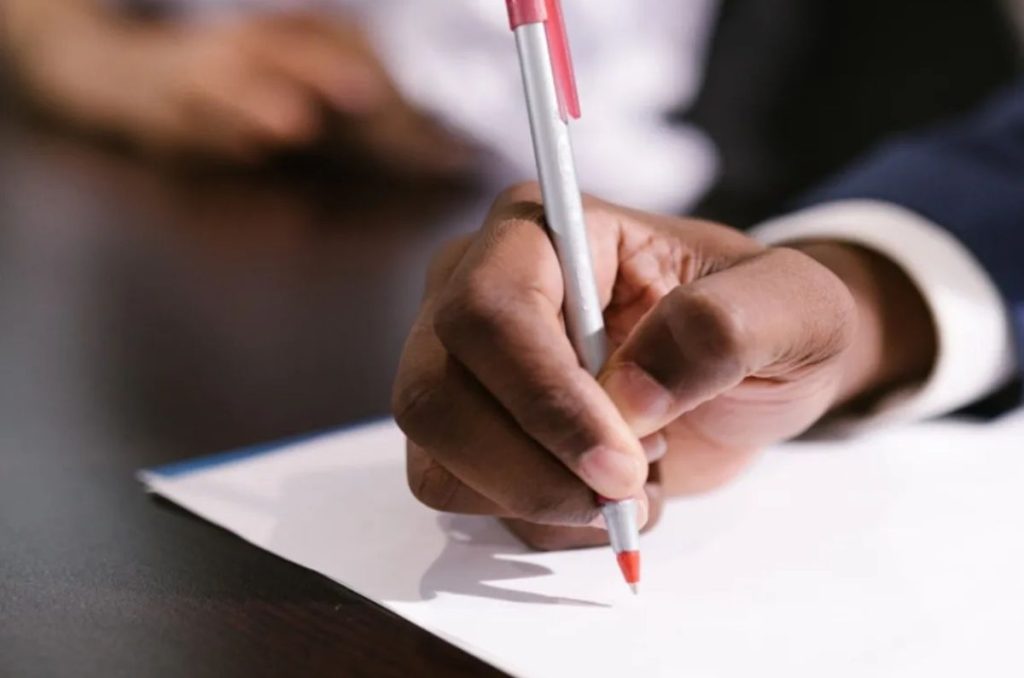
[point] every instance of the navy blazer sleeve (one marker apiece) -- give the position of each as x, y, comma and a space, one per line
967, 177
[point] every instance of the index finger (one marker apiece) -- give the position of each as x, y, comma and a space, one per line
500, 317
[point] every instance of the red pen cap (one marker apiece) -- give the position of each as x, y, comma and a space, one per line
549, 12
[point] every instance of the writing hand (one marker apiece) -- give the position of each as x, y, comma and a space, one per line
721, 347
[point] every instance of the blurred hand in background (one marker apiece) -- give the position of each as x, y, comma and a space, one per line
239, 89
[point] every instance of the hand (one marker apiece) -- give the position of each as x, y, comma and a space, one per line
722, 347
239, 89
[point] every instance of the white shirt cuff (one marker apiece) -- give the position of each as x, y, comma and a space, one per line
975, 340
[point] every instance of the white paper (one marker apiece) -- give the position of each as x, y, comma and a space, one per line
898, 554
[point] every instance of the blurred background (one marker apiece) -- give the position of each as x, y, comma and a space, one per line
237, 199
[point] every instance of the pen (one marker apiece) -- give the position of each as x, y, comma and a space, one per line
552, 101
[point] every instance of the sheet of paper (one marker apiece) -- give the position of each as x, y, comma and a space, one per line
898, 554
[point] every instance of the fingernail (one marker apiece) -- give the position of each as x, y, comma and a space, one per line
655, 446
609, 471
643, 403
598, 523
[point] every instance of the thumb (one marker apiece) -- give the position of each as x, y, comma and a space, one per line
766, 317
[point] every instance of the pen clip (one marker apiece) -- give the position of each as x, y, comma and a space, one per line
549, 12
561, 62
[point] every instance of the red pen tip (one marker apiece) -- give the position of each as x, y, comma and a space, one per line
629, 563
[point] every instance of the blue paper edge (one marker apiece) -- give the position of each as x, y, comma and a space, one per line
185, 467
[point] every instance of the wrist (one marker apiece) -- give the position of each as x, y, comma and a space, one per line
896, 342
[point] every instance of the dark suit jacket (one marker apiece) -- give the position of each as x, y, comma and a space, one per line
887, 97
966, 176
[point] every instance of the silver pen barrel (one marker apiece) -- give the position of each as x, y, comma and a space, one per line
567, 227
623, 530
563, 204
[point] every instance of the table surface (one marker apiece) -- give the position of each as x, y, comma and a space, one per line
148, 315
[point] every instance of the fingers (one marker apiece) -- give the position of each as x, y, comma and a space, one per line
466, 454
446, 414
725, 347
243, 89
558, 538
329, 58
728, 347
260, 110
222, 99
500, 317
436, 487
767, 318
335, 61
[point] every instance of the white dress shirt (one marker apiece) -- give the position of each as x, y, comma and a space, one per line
975, 341
635, 61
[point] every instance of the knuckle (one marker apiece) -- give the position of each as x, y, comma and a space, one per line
546, 537
521, 202
827, 299
557, 416
789, 259
705, 329
840, 329
471, 310
536, 506
541, 540
846, 328
522, 192
421, 410
549, 508
432, 485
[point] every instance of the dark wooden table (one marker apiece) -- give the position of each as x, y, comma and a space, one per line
149, 315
